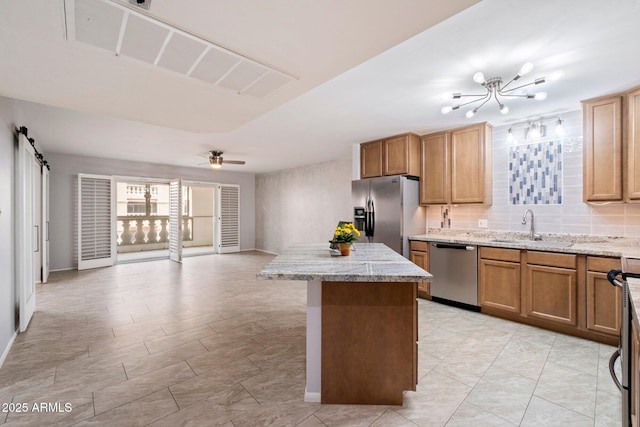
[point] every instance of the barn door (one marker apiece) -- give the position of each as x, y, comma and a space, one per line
27, 235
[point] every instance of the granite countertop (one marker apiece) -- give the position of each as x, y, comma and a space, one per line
368, 262
565, 243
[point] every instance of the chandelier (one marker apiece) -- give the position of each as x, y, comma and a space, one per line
497, 90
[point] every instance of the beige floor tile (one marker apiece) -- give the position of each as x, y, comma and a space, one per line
213, 381
350, 415
569, 388
146, 364
140, 412
543, 413
127, 391
471, 415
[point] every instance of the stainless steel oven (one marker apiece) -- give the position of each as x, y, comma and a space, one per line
623, 353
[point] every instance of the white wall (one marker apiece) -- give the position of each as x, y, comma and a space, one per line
64, 173
7, 259
302, 204
572, 216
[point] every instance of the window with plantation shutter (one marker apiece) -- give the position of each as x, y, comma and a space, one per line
228, 218
96, 245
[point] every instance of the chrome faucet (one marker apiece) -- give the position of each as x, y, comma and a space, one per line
532, 232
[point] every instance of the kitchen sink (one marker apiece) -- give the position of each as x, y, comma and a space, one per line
542, 243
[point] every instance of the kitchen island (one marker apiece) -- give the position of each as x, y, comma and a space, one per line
361, 321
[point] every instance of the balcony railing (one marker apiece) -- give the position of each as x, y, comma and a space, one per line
149, 230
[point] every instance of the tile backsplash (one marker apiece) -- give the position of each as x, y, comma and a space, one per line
565, 212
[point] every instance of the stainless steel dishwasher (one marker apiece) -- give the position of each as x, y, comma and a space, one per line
455, 274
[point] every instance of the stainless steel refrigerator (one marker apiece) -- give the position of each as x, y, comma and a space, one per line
387, 210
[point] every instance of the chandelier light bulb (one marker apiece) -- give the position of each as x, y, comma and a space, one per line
504, 109
525, 69
470, 113
560, 131
446, 110
479, 77
447, 96
510, 137
540, 96
556, 75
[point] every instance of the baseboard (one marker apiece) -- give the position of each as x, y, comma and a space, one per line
311, 397
63, 269
264, 251
6, 350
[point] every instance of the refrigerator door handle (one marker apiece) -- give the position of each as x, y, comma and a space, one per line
372, 216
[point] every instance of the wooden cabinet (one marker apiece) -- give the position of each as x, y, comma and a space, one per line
602, 156
611, 148
371, 159
633, 145
499, 279
456, 166
551, 287
568, 293
603, 299
419, 255
435, 186
397, 155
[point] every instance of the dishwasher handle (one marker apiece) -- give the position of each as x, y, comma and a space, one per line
453, 246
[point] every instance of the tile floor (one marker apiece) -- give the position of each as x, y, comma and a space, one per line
204, 343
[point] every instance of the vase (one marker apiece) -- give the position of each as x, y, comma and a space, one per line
345, 249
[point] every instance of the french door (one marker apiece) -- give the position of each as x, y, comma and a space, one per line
96, 222
175, 220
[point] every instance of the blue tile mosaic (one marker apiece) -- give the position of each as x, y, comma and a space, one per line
536, 174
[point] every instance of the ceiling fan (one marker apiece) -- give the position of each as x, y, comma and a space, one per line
216, 160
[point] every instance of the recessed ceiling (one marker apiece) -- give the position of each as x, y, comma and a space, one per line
356, 84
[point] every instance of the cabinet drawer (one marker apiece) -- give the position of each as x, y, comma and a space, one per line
417, 245
602, 265
551, 259
500, 254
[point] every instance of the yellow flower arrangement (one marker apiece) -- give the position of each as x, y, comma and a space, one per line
345, 233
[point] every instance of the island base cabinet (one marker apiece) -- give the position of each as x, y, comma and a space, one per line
369, 342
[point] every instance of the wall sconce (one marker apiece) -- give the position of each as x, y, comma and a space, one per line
534, 129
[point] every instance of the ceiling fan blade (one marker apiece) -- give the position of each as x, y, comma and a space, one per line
200, 164
205, 155
234, 162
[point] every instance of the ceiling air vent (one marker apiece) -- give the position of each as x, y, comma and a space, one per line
128, 32
145, 4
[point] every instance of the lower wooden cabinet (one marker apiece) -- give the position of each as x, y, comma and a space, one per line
552, 294
565, 292
635, 373
499, 279
419, 255
603, 299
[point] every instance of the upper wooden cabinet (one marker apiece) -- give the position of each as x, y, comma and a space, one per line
633, 145
397, 155
612, 148
602, 158
456, 166
371, 159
